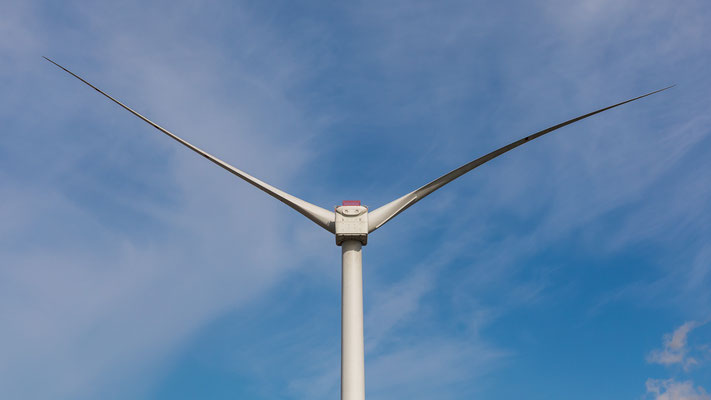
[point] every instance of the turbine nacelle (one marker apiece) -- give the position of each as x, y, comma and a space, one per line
351, 222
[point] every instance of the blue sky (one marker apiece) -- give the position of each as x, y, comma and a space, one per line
577, 266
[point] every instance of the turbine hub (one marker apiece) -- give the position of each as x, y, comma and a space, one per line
351, 222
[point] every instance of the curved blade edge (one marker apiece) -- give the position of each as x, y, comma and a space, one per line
321, 216
381, 215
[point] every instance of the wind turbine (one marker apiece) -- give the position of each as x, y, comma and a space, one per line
351, 223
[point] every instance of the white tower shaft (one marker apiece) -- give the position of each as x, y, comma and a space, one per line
352, 354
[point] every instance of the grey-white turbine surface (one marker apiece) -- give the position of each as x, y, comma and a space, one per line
351, 223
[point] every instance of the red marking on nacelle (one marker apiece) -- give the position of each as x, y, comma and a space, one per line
351, 202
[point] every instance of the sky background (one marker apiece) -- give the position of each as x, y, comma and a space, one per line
576, 266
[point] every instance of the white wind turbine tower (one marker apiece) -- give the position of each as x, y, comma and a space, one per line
351, 223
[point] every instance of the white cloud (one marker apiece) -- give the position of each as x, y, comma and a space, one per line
675, 349
669, 389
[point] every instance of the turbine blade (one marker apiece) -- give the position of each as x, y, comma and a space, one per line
322, 217
380, 216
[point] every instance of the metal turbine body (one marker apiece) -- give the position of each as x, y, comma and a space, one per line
351, 223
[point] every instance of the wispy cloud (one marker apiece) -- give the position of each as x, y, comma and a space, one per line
395, 305
432, 367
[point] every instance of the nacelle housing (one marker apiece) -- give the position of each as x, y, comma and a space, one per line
351, 222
